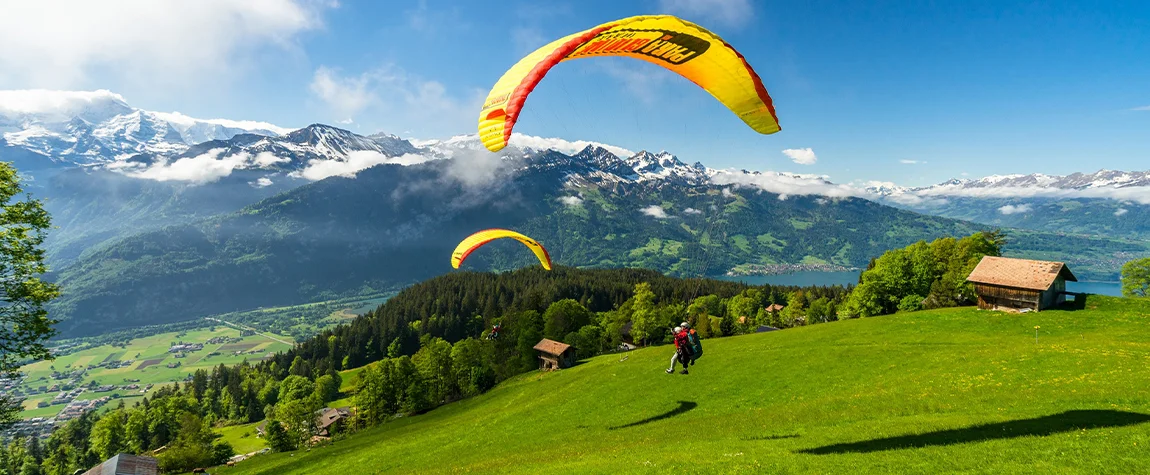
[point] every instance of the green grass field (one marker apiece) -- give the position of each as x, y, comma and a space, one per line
140, 350
955, 390
242, 437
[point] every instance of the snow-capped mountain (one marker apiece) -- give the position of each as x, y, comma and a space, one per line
1033, 185
86, 127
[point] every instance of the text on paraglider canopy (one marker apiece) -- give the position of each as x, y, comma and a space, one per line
672, 47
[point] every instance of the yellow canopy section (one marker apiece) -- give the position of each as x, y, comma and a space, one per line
475, 241
670, 42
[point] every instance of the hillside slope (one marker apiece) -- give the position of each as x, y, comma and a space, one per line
392, 225
927, 392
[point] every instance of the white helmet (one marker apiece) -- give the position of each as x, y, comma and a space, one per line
685, 325
678, 329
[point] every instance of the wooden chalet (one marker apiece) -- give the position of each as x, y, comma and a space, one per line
1007, 283
125, 464
554, 355
331, 419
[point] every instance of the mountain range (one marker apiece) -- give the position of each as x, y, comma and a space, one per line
157, 225
1105, 203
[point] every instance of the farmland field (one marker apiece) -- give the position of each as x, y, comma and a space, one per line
150, 362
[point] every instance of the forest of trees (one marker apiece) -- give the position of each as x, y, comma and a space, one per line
922, 275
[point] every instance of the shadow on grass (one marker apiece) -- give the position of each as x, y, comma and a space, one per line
684, 406
1078, 303
1040, 426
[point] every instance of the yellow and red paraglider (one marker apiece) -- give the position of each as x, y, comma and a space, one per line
477, 240
678, 45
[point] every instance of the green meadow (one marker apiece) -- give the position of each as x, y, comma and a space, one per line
951, 390
150, 359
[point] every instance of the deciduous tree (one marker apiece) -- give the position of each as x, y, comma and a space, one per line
24, 323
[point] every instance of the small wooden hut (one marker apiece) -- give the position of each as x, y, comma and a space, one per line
554, 355
1007, 283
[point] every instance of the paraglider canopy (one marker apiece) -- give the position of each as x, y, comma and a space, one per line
477, 240
678, 45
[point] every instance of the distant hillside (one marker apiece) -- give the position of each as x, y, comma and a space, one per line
392, 225
1091, 216
1108, 203
932, 391
91, 207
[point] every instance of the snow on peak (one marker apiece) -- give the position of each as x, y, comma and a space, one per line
61, 106
1101, 184
100, 126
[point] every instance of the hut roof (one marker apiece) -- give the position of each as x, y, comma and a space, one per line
125, 464
329, 416
775, 307
552, 347
1019, 273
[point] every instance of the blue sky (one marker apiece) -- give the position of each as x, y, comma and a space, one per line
907, 92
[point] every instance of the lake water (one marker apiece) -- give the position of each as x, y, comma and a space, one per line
808, 278
801, 279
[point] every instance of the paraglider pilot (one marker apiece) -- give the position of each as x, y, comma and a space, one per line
682, 349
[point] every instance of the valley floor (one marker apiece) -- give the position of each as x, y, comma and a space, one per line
955, 390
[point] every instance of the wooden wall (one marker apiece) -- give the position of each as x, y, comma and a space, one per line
990, 296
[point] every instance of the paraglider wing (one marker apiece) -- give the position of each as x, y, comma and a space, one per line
475, 241
678, 45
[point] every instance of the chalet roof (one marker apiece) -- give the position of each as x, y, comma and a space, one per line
125, 464
552, 347
329, 416
775, 307
1019, 273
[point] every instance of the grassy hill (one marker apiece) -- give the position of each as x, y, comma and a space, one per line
935, 391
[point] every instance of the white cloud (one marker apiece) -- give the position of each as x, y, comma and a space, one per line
692, 211
396, 100
801, 156
62, 43
821, 201
964, 174
1143, 108
727, 193
355, 162
563, 146
346, 97
262, 182
1137, 194
62, 105
732, 13
654, 211
204, 168
1012, 209
1121, 211
786, 184
267, 159
571, 200
910, 162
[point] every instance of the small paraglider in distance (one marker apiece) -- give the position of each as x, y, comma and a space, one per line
664, 40
494, 332
477, 240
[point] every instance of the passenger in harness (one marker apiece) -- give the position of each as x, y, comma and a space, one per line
682, 351
694, 343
